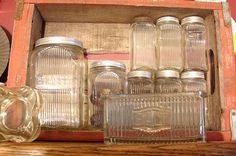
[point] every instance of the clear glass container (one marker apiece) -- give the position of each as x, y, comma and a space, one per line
194, 43
57, 69
167, 81
193, 81
140, 82
169, 44
19, 114
106, 77
154, 118
143, 39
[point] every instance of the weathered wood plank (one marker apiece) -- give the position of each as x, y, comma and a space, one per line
76, 148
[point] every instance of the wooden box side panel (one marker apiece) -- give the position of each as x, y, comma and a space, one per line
227, 70
26, 31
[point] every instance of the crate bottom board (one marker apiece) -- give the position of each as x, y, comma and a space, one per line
98, 136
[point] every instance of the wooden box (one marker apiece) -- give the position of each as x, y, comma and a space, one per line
103, 27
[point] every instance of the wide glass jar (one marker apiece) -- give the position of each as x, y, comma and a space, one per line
167, 81
194, 43
140, 82
193, 81
143, 39
57, 69
169, 45
106, 77
19, 114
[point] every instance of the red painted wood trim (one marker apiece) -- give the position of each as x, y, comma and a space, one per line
98, 136
229, 71
70, 136
20, 48
155, 3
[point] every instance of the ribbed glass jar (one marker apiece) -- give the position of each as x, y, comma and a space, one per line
106, 77
169, 45
193, 81
57, 69
194, 43
140, 82
167, 81
143, 39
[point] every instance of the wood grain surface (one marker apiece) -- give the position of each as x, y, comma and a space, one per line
79, 148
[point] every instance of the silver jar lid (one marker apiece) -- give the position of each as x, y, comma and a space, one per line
58, 40
108, 63
140, 73
192, 19
167, 73
192, 74
2, 84
167, 19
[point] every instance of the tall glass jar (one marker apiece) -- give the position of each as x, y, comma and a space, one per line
194, 81
57, 70
140, 82
106, 77
194, 43
169, 45
167, 81
143, 38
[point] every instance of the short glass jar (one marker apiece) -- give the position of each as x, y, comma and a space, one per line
167, 81
143, 40
193, 81
140, 82
57, 69
169, 45
106, 77
194, 43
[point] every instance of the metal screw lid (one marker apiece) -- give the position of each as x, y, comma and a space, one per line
2, 84
140, 73
192, 19
167, 19
192, 74
108, 63
167, 73
58, 40
143, 19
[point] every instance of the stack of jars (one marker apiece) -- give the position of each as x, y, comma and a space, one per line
167, 57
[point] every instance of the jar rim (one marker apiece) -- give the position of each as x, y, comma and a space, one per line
167, 73
58, 40
140, 73
192, 19
192, 74
167, 19
108, 63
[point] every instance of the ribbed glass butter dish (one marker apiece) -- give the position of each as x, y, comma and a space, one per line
154, 118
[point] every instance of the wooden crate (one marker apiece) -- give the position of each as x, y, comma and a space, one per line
103, 27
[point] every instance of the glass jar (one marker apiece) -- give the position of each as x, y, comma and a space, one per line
194, 43
167, 81
194, 81
19, 114
106, 77
169, 45
140, 82
143, 39
57, 69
